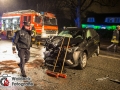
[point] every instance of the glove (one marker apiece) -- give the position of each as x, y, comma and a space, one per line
14, 50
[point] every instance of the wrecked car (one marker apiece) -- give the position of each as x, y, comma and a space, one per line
82, 45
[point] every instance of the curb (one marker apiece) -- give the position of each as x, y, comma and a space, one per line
110, 54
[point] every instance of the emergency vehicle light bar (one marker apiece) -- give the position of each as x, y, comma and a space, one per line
69, 27
20, 11
10, 17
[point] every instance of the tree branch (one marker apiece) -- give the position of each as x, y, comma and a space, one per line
87, 6
111, 3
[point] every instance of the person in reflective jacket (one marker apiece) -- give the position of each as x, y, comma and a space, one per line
22, 41
115, 39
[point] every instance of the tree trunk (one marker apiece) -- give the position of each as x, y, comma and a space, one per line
78, 16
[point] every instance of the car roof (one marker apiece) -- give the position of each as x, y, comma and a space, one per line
76, 28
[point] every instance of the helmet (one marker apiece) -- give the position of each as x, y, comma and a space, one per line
26, 23
118, 26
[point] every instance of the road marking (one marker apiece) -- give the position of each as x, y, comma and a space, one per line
112, 57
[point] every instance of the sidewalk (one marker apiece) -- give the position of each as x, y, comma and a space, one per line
103, 46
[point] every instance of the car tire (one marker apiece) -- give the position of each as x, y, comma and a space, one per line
82, 61
98, 50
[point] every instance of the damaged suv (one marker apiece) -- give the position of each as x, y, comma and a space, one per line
80, 45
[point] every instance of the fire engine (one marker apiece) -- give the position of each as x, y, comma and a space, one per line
45, 23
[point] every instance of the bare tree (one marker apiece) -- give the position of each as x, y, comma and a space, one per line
109, 3
71, 8
77, 7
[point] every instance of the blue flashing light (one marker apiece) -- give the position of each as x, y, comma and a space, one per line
42, 13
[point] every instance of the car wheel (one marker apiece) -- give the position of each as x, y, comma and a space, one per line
98, 50
82, 61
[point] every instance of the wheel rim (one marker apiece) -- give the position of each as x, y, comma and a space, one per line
84, 60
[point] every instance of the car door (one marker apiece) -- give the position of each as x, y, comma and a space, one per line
95, 38
90, 42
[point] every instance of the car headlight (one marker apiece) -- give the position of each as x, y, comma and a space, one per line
55, 43
72, 49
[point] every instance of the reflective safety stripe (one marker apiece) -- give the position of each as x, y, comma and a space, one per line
114, 41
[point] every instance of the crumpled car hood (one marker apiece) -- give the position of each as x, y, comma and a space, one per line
58, 40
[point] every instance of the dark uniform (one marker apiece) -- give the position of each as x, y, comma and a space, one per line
22, 41
115, 40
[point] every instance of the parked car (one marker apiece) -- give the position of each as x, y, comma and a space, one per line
83, 44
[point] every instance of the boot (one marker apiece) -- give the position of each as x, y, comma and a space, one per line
23, 74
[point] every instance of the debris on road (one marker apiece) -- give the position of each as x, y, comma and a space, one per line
5, 51
115, 80
103, 78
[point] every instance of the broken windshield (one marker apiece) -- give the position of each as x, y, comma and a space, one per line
71, 33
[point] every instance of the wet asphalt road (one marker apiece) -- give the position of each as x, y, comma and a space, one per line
97, 67
93, 77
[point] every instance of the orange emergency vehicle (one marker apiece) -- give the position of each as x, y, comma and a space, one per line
45, 23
